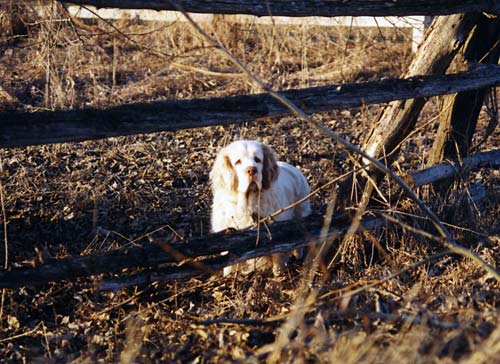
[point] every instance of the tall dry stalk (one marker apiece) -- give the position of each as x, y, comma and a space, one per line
5, 238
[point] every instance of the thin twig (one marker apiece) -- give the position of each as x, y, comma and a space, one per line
270, 217
5, 233
416, 319
113, 307
412, 229
183, 259
5, 240
161, 53
241, 321
353, 292
27, 333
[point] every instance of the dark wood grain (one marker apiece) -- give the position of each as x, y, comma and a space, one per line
307, 7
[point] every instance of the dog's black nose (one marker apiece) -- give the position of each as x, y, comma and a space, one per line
251, 171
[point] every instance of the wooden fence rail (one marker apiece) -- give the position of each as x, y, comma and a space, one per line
300, 8
19, 129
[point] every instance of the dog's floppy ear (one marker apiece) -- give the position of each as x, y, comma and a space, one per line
222, 175
271, 168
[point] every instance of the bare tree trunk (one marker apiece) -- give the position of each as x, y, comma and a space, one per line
459, 112
444, 38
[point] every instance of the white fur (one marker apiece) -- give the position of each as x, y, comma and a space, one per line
248, 183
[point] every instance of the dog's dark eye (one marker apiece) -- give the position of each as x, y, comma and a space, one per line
237, 162
257, 159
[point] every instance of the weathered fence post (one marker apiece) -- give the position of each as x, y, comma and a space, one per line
459, 112
446, 35
444, 38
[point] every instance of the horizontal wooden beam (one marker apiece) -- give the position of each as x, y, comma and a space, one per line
285, 236
300, 8
91, 12
19, 129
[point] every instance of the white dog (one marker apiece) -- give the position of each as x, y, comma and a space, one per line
247, 184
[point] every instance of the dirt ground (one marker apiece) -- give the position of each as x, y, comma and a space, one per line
93, 197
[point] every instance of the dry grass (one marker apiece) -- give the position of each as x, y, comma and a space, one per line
87, 198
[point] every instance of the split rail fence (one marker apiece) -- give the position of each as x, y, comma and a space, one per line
19, 129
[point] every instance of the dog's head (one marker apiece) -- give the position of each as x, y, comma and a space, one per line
244, 166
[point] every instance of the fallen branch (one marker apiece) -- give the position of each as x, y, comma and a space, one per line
19, 129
